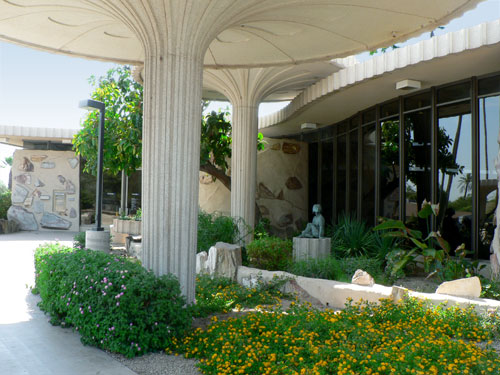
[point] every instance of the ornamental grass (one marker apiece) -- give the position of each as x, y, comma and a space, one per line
405, 338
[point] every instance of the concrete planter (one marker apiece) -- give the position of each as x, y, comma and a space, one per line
131, 227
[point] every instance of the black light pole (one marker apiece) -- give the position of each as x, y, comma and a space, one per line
92, 105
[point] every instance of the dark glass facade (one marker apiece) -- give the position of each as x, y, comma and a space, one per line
438, 145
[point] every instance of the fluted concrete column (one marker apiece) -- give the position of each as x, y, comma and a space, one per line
175, 35
244, 163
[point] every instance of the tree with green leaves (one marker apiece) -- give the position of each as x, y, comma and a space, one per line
123, 130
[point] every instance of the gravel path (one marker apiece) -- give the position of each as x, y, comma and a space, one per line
159, 364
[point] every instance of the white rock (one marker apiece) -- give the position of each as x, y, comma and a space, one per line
361, 277
468, 287
201, 262
224, 260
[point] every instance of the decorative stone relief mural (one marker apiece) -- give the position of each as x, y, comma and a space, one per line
40, 195
282, 192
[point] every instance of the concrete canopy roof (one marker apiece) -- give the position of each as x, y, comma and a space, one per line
16, 135
268, 32
443, 59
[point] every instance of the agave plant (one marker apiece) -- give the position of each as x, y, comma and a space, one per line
352, 238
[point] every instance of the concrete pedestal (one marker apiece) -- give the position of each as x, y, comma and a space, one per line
97, 240
311, 248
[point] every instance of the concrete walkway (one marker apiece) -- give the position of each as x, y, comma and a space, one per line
28, 343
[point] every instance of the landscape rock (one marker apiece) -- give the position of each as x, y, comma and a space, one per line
264, 191
52, 221
285, 220
224, 260
61, 179
38, 158
26, 165
469, 287
70, 187
291, 148
201, 262
276, 147
23, 179
398, 293
25, 219
38, 207
48, 165
39, 183
73, 162
264, 210
19, 194
293, 183
361, 277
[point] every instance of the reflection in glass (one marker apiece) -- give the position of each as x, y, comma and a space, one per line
353, 173
389, 168
368, 186
327, 180
418, 160
455, 174
341, 174
489, 124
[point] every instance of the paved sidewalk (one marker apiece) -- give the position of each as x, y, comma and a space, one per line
28, 343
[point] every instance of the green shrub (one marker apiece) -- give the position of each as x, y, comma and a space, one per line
114, 304
5, 203
270, 253
220, 294
327, 268
213, 228
373, 266
352, 238
79, 240
490, 289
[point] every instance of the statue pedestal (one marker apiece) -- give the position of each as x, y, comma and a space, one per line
311, 248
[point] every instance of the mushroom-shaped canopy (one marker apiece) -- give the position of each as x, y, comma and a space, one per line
268, 32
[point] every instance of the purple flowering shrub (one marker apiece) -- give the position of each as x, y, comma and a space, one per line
114, 303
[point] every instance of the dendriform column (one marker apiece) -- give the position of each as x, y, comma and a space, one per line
244, 164
245, 89
175, 35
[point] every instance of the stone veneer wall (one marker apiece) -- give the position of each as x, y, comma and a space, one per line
45, 190
282, 181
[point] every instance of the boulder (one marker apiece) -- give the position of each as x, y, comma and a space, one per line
224, 260
25, 219
201, 262
361, 277
469, 287
53, 221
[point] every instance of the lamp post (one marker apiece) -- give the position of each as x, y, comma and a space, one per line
97, 239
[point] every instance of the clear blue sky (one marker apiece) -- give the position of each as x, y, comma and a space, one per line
43, 90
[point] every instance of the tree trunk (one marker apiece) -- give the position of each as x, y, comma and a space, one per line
217, 173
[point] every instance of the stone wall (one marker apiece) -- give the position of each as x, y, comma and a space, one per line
45, 190
282, 187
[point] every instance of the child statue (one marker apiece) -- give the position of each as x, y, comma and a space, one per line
316, 229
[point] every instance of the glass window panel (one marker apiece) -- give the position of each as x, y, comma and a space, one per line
341, 174
369, 116
313, 177
327, 180
489, 124
342, 127
353, 173
490, 85
368, 202
417, 101
418, 159
455, 174
389, 109
455, 92
354, 123
389, 168
327, 133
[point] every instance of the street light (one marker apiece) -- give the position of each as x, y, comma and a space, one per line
91, 105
